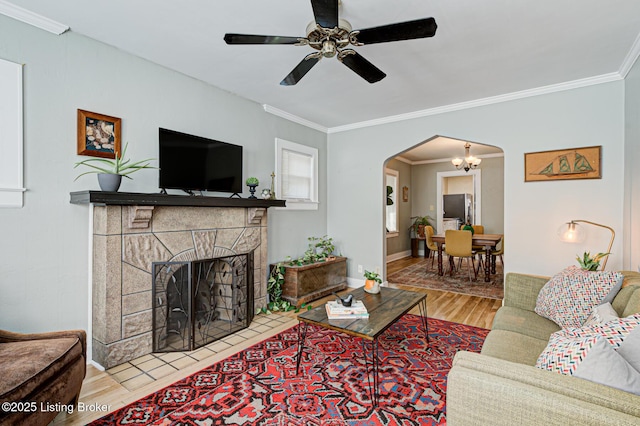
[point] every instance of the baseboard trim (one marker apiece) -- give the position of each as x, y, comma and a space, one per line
355, 282
399, 255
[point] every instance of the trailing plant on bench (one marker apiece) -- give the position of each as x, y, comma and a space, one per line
274, 290
320, 249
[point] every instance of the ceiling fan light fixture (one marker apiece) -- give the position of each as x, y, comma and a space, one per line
329, 49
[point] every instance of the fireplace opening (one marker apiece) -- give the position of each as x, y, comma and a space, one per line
200, 301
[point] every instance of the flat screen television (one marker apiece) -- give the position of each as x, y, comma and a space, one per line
193, 163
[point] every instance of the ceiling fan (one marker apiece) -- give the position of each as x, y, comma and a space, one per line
329, 35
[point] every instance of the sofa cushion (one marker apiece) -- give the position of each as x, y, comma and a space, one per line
614, 331
569, 297
622, 301
512, 346
26, 366
630, 278
633, 304
524, 322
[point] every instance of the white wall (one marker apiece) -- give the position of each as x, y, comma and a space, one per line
533, 211
44, 246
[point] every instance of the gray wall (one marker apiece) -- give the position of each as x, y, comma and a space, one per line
45, 251
424, 191
533, 211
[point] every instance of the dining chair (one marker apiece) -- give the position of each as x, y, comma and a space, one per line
498, 252
477, 229
458, 244
428, 230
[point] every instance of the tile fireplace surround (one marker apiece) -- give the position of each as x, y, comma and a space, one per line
130, 231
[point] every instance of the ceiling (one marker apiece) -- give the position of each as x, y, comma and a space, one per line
440, 149
482, 49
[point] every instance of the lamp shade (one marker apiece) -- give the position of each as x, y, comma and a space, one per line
571, 232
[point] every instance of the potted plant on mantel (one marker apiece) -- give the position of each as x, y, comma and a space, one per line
252, 183
111, 171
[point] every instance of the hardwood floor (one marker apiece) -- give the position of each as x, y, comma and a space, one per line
101, 389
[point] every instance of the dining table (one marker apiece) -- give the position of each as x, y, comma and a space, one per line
488, 243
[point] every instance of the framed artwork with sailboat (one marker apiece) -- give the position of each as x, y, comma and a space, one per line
563, 164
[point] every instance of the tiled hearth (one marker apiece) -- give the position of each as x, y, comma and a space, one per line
128, 238
141, 371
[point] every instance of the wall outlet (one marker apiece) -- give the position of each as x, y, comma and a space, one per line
377, 269
431, 208
360, 269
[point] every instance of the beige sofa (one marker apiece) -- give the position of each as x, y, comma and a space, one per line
502, 386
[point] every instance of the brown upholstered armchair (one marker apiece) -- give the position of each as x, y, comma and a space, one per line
39, 371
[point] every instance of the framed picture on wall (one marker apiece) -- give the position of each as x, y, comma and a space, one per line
98, 134
563, 164
405, 194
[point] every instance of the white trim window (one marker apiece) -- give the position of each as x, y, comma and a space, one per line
391, 202
297, 175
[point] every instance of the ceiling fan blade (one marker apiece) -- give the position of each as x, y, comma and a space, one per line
325, 12
419, 28
301, 69
361, 66
259, 39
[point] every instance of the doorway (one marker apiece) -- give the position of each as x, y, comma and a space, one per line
459, 182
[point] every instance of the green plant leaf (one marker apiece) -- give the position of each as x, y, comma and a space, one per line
116, 166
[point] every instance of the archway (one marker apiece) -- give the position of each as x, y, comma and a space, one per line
422, 171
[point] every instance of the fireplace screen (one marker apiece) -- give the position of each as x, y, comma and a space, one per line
198, 302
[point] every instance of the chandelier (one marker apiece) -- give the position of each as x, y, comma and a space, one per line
469, 162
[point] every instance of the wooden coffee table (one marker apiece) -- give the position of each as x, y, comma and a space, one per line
385, 308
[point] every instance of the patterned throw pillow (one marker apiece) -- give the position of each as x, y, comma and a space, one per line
564, 354
570, 296
602, 353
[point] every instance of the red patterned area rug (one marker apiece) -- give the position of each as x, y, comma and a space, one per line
259, 385
420, 274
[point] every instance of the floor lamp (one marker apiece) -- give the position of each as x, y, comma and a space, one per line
571, 232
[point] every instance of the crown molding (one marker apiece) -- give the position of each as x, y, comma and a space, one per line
294, 118
631, 58
403, 159
31, 18
634, 53
448, 160
605, 78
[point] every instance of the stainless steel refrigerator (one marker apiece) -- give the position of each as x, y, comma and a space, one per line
458, 206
